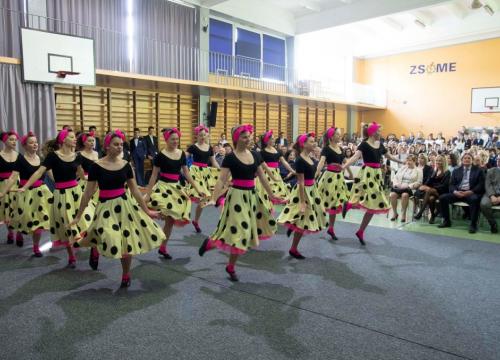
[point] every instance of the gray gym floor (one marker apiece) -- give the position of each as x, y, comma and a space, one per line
405, 296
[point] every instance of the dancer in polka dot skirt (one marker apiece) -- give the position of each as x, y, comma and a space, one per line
368, 191
304, 213
332, 187
203, 157
120, 228
167, 195
8, 158
272, 159
244, 220
85, 146
36, 198
66, 168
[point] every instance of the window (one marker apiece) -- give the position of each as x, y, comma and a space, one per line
221, 47
274, 58
248, 53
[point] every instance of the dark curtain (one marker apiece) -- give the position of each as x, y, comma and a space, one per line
166, 39
102, 20
25, 106
11, 19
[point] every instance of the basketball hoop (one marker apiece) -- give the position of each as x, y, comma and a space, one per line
62, 74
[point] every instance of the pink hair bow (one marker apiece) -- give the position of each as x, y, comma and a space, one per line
240, 129
109, 137
372, 128
168, 133
267, 136
63, 134
200, 128
303, 138
24, 139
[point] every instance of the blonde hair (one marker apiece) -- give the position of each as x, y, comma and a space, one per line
445, 161
426, 159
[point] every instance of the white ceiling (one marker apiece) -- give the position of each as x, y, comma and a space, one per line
448, 23
366, 28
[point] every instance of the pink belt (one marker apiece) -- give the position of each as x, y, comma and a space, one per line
373, 165
168, 176
334, 167
5, 175
66, 184
200, 164
36, 184
308, 182
109, 194
273, 165
244, 183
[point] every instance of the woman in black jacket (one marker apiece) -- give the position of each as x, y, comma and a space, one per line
436, 185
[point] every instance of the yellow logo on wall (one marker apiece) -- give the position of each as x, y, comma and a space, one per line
433, 68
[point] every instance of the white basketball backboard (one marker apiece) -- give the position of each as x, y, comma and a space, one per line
46, 54
485, 100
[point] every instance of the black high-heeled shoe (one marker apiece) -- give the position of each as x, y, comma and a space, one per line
165, 255
418, 215
395, 217
125, 283
203, 248
332, 234
295, 254
289, 232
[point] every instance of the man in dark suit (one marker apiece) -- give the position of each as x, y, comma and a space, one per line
492, 195
97, 143
138, 151
466, 185
151, 142
280, 141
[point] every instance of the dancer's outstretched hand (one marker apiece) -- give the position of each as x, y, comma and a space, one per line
275, 199
153, 214
208, 202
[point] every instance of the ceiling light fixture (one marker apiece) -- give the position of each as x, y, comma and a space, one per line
476, 4
488, 9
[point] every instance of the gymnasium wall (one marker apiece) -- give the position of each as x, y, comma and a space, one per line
111, 108
435, 101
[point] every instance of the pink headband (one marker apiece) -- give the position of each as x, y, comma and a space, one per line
109, 137
330, 132
61, 136
24, 139
372, 129
303, 138
239, 130
6, 135
200, 128
267, 136
168, 133
86, 136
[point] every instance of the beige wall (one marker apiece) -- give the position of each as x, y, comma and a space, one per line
437, 101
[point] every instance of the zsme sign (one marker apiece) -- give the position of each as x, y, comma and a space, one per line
433, 68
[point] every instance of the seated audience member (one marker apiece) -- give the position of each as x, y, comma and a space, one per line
407, 179
221, 154
492, 195
228, 149
426, 170
466, 185
486, 138
452, 160
467, 141
288, 177
492, 160
481, 160
436, 185
348, 153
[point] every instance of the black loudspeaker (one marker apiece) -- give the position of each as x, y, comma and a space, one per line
212, 115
